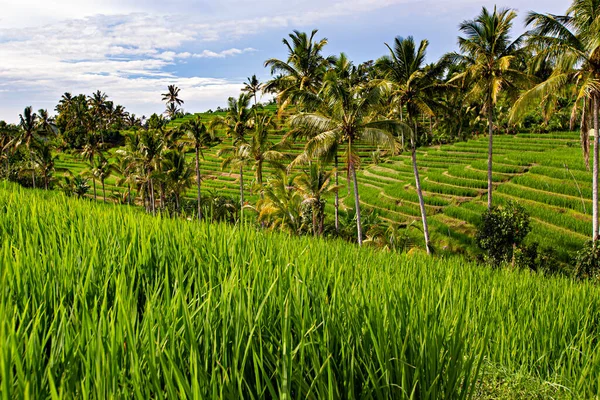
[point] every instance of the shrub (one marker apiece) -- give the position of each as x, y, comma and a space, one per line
587, 261
501, 231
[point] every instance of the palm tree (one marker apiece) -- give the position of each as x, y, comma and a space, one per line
102, 170
489, 57
45, 159
92, 149
151, 145
172, 96
281, 204
570, 43
178, 174
412, 87
302, 71
237, 123
29, 124
202, 138
345, 116
172, 111
252, 87
313, 184
262, 150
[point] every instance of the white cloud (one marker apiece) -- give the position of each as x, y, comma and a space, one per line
224, 53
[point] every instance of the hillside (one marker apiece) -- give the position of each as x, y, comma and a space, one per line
543, 172
125, 304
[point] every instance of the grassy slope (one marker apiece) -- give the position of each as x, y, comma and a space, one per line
106, 300
528, 168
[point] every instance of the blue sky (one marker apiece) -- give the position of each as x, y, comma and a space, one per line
132, 49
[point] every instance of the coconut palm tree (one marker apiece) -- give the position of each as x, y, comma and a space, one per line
172, 96
237, 123
202, 138
102, 170
346, 73
313, 184
172, 111
45, 160
412, 87
27, 135
262, 150
92, 149
252, 86
345, 115
490, 59
178, 174
282, 204
302, 71
570, 43
151, 145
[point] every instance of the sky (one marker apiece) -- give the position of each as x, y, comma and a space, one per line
133, 49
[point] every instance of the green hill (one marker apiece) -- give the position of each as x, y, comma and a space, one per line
104, 300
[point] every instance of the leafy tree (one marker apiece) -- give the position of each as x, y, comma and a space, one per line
587, 261
501, 231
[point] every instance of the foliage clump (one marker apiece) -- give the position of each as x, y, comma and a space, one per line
501, 231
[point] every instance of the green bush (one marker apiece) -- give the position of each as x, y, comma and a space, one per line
587, 264
501, 231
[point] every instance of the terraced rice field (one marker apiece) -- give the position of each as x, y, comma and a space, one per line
543, 172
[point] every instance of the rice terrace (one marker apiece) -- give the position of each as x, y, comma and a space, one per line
417, 224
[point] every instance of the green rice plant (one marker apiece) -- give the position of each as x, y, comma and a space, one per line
400, 192
567, 219
462, 171
448, 189
552, 199
452, 180
562, 186
105, 301
499, 165
464, 214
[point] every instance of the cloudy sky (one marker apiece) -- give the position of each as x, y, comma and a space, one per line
133, 49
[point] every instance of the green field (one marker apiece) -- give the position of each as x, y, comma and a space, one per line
106, 301
543, 172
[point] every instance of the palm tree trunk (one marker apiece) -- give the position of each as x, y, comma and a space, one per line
129, 193
32, 169
94, 182
595, 171
419, 191
198, 182
490, 143
241, 191
421, 201
45, 180
259, 178
314, 220
337, 197
152, 203
356, 204
103, 191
